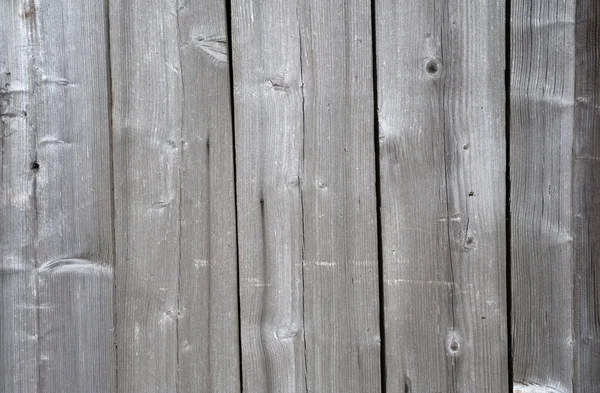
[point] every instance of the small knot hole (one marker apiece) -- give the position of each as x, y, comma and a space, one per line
432, 67
454, 346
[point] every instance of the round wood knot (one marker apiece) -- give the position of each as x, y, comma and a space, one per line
469, 243
432, 67
454, 346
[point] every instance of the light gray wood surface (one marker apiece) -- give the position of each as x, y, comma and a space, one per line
306, 196
586, 202
208, 332
268, 122
19, 312
176, 293
341, 300
57, 237
541, 144
440, 72
147, 149
178, 218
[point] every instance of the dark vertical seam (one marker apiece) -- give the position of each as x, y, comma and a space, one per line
229, 22
268, 375
210, 261
446, 169
180, 203
34, 67
301, 184
382, 358
3, 382
577, 195
508, 190
37, 279
112, 183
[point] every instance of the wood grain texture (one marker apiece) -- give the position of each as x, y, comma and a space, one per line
208, 326
441, 117
340, 264
541, 143
269, 144
18, 301
586, 198
147, 143
62, 198
176, 247
306, 196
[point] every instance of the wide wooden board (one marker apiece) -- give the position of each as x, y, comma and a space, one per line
440, 72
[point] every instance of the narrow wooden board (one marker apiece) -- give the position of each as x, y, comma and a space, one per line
440, 72
269, 143
176, 238
541, 143
62, 198
340, 263
73, 197
586, 201
208, 327
147, 150
18, 289
306, 196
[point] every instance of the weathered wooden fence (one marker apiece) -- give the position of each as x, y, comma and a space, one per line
300, 196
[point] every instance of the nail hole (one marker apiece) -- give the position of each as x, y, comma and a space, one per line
35, 166
466, 146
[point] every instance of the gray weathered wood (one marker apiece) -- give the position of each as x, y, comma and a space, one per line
73, 197
306, 196
176, 253
18, 300
62, 198
586, 201
440, 70
147, 123
208, 326
340, 264
268, 130
163, 316
541, 143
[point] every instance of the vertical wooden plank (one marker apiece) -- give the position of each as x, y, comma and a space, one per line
208, 326
541, 143
306, 196
173, 162
586, 201
18, 301
268, 129
63, 196
73, 197
442, 161
340, 264
147, 122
